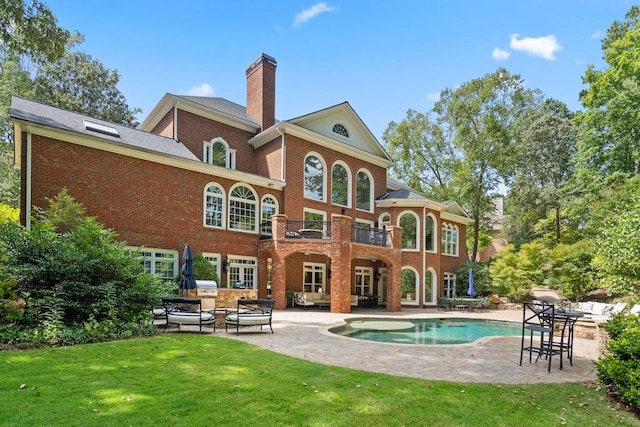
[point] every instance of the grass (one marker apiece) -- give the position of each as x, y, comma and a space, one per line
193, 380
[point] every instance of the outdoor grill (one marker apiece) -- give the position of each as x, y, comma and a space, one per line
207, 287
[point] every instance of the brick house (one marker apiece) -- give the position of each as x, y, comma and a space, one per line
295, 205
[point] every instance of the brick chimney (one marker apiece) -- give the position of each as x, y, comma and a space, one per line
261, 91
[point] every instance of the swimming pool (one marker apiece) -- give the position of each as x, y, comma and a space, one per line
425, 331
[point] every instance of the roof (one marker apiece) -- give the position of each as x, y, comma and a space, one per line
222, 105
35, 112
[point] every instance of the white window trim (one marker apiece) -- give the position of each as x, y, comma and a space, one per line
434, 286
451, 227
314, 267
277, 206
445, 277
371, 190
382, 224
416, 288
230, 153
317, 212
341, 123
364, 272
231, 258
324, 176
176, 258
258, 210
349, 183
417, 233
225, 207
435, 234
217, 261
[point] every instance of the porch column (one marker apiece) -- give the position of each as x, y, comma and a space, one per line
340, 264
394, 272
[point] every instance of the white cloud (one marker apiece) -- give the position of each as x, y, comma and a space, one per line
500, 55
203, 89
312, 12
544, 47
596, 35
433, 96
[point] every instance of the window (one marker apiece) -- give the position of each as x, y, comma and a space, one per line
217, 152
313, 277
243, 272
409, 286
429, 281
314, 219
340, 185
364, 191
409, 223
384, 220
314, 179
243, 207
163, 263
364, 280
449, 285
269, 209
340, 130
215, 261
214, 206
449, 239
429, 233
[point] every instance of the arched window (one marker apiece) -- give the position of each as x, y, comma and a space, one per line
340, 130
384, 220
243, 208
364, 191
314, 177
430, 230
409, 286
217, 152
408, 221
214, 206
340, 185
449, 239
430, 289
269, 209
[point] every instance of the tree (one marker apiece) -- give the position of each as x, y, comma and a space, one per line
542, 166
29, 28
516, 272
481, 117
77, 82
425, 156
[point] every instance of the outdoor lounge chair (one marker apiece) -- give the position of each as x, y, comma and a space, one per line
635, 310
250, 312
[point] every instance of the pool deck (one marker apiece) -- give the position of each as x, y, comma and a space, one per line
304, 334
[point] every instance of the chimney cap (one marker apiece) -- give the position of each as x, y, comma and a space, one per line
263, 58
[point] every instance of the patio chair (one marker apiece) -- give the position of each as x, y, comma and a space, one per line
537, 323
635, 310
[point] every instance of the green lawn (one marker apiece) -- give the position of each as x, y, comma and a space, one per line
197, 380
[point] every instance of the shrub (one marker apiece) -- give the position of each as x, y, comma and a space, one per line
620, 368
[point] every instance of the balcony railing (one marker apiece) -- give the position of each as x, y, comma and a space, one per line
301, 229
369, 236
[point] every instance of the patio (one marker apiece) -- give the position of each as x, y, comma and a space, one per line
304, 334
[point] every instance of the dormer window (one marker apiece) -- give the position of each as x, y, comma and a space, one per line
340, 130
217, 152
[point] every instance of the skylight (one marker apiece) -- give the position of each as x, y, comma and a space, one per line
95, 127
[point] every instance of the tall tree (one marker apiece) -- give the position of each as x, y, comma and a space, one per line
542, 165
424, 154
481, 116
77, 82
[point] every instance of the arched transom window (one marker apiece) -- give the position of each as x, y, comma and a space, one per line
340, 185
217, 152
243, 208
314, 177
449, 239
340, 130
214, 206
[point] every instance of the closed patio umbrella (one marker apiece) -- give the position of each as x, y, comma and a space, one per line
187, 279
471, 292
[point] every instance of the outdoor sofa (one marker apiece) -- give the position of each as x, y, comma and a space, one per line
309, 299
599, 310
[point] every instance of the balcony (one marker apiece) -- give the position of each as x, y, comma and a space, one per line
315, 230
369, 236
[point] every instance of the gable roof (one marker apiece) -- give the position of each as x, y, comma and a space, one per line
46, 115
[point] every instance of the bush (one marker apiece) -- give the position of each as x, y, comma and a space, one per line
619, 370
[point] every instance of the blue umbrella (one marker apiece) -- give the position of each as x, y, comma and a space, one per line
471, 292
188, 279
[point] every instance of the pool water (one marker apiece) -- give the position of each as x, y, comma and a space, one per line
425, 331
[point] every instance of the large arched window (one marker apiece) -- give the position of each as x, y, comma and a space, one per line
364, 191
449, 239
214, 206
409, 286
314, 177
340, 185
269, 209
217, 152
430, 237
408, 221
243, 209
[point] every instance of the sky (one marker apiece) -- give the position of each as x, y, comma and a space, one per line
383, 57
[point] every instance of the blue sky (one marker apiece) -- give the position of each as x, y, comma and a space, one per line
382, 57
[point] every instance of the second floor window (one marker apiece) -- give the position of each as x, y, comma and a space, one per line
449, 239
269, 209
409, 224
314, 179
243, 207
340, 188
217, 152
363, 191
214, 206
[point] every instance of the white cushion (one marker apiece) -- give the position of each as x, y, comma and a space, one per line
601, 309
619, 307
251, 319
159, 312
585, 306
189, 318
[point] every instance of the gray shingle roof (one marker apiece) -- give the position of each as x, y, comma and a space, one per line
31, 111
222, 105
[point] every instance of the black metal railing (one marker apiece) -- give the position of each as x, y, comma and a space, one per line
369, 235
306, 229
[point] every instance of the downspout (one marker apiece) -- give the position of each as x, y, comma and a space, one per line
27, 183
424, 254
284, 154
